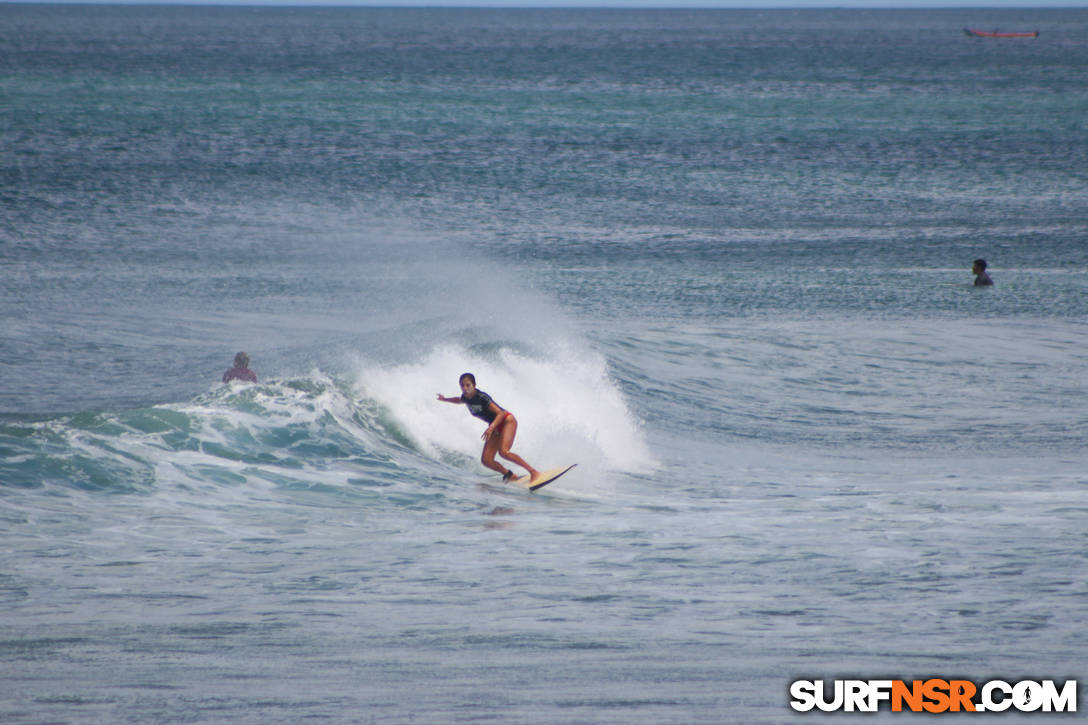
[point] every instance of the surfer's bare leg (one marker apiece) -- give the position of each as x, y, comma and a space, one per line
491, 447
505, 437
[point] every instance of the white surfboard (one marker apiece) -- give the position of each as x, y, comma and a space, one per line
543, 478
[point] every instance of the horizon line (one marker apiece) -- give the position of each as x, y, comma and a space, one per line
593, 5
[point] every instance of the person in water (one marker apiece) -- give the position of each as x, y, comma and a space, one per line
241, 370
979, 270
501, 427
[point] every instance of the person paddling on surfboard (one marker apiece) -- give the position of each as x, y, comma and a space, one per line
241, 370
501, 428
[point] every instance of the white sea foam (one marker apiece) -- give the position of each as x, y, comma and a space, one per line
568, 408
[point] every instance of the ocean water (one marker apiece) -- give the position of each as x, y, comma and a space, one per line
719, 259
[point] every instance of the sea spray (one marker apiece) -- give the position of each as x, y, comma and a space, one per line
568, 408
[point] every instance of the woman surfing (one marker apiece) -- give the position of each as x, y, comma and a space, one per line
501, 429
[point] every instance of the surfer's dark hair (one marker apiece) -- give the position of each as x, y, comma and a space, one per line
470, 376
981, 263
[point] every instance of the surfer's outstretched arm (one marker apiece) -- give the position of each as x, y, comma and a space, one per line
444, 399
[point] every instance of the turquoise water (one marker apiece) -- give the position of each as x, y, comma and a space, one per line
720, 259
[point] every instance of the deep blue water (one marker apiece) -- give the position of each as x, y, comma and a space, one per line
721, 259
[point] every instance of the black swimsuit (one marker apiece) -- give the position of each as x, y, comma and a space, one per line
479, 405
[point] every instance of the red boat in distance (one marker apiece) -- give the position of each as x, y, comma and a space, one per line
997, 34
